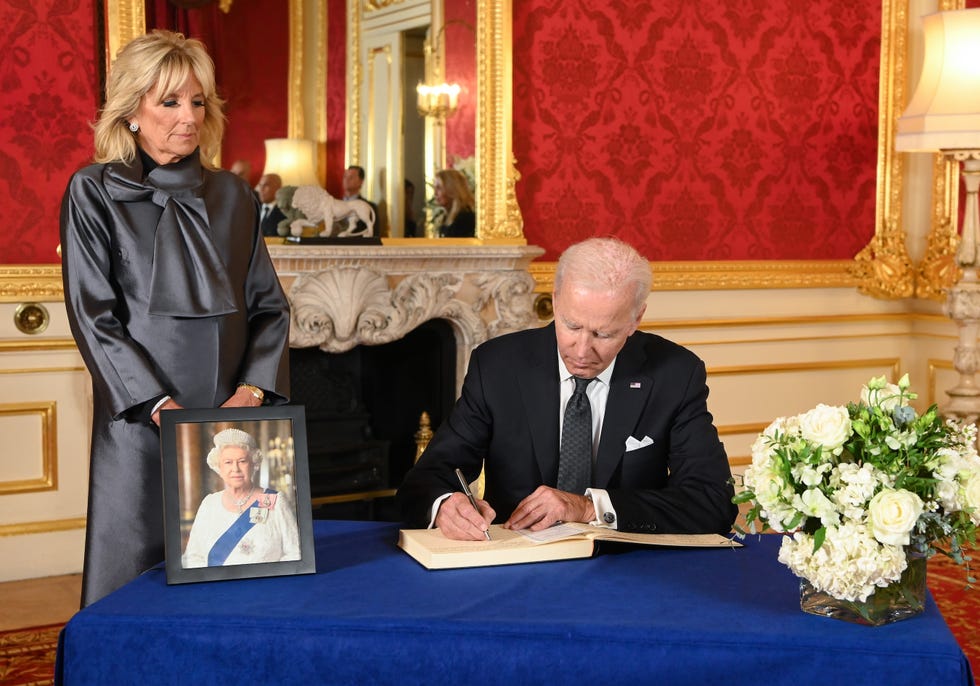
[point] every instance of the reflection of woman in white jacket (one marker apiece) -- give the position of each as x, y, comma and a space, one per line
242, 523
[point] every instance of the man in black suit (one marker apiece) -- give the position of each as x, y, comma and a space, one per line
353, 181
269, 214
657, 464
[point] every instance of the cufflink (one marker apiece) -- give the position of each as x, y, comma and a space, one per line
608, 517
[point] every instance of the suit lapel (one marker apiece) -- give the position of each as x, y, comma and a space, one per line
539, 393
629, 391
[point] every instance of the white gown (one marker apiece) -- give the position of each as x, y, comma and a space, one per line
273, 538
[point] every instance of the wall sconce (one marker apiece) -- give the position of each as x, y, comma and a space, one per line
293, 159
944, 116
438, 99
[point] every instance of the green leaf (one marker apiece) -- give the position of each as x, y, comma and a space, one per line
818, 538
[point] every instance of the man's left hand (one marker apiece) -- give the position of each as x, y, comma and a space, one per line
546, 505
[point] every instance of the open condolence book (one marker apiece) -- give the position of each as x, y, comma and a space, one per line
560, 542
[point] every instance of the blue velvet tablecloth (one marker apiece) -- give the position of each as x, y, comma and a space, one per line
371, 614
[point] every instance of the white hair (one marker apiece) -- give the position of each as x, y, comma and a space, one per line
233, 438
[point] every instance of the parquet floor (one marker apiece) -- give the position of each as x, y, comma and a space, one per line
38, 602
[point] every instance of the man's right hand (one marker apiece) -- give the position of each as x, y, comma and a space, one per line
458, 520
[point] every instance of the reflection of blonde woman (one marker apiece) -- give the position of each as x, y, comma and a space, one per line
241, 523
453, 192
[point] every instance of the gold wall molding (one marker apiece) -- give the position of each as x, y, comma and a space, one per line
37, 345
45, 527
48, 479
753, 428
40, 282
883, 267
938, 270
711, 276
933, 365
42, 370
780, 320
125, 19
824, 365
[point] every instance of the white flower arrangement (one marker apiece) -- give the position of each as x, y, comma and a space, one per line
858, 486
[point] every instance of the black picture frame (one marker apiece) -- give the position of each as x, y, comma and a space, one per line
186, 439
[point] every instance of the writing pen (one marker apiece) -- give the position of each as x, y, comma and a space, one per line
469, 494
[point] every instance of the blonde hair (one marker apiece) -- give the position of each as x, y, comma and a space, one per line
605, 264
161, 59
458, 188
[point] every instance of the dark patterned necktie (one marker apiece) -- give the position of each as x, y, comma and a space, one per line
575, 454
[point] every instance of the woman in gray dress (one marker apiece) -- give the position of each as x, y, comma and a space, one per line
171, 295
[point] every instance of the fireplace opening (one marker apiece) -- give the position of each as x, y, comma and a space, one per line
362, 411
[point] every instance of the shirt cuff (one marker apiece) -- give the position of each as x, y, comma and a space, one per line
160, 402
435, 509
605, 513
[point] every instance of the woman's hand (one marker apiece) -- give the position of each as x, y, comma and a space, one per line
242, 398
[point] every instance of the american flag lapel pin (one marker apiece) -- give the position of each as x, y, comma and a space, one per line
635, 384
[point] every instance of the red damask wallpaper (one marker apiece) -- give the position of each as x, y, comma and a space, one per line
698, 130
336, 95
49, 62
250, 48
460, 38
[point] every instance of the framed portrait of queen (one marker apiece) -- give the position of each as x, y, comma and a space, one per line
236, 493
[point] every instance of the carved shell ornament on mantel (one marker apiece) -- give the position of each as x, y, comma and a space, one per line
339, 309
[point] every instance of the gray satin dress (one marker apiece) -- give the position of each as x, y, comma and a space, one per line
170, 291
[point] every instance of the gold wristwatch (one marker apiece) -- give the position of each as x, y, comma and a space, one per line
254, 390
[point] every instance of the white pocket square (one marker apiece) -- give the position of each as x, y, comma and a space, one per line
636, 444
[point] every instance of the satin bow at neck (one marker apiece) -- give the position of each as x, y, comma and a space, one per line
188, 278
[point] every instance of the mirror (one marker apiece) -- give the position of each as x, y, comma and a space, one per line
396, 48
497, 214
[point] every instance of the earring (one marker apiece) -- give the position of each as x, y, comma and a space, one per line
134, 127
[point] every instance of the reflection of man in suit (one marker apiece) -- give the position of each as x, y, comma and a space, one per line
657, 463
269, 215
353, 180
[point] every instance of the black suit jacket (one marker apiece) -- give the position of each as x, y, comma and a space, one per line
270, 224
507, 416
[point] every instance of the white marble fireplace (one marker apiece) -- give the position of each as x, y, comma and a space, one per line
345, 296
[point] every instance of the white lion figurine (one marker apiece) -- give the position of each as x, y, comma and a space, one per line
318, 205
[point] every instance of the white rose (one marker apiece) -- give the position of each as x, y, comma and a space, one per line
971, 497
887, 398
827, 426
892, 515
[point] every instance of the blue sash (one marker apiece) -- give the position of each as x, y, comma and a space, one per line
229, 539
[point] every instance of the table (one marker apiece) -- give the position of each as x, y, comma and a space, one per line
371, 614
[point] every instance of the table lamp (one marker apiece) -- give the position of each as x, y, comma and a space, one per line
944, 116
293, 159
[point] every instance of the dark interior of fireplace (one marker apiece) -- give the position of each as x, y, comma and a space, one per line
362, 411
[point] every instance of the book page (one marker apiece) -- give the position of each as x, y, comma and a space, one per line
599, 533
553, 533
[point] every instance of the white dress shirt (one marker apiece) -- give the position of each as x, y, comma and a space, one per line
598, 393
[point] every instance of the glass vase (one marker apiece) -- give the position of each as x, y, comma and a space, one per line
900, 600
